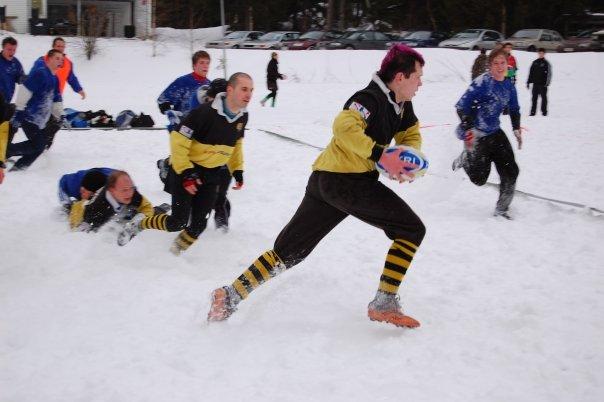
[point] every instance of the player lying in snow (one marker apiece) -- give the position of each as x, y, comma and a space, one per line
118, 200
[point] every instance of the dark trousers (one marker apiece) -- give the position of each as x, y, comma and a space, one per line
191, 212
30, 149
222, 206
539, 91
494, 148
272, 86
331, 197
51, 129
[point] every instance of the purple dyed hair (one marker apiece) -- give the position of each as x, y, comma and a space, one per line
399, 59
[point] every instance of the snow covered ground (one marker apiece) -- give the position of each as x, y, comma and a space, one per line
510, 311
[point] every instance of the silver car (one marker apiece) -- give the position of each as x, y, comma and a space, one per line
271, 40
533, 39
473, 39
234, 40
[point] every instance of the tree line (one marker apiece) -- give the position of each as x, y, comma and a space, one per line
506, 16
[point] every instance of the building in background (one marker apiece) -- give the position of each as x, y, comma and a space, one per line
112, 18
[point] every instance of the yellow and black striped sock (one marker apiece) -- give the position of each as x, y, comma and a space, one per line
155, 222
184, 240
264, 268
397, 262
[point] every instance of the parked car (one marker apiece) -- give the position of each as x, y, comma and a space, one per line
360, 40
424, 38
473, 39
598, 37
271, 40
581, 42
234, 39
533, 39
309, 40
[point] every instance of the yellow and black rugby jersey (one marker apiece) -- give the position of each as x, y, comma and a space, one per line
4, 129
371, 119
209, 138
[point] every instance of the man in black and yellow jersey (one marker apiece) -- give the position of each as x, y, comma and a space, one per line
5, 115
210, 136
345, 182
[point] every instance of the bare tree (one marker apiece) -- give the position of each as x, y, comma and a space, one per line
94, 25
330, 12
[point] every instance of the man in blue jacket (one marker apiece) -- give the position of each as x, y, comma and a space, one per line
11, 70
37, 99
485, 143
64, 75
81, 185
11, 74
176, 100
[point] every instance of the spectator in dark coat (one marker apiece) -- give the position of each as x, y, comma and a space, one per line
272, 75
540, 76
480, 64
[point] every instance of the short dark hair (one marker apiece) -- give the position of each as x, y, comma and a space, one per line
200, 54
498, 51
52, 52
234, 79
399, 59
508, 44
57, 39
93, 180
9, 40
112, 179
483, 51
541, 50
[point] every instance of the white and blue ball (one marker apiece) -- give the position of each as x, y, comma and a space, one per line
411, 155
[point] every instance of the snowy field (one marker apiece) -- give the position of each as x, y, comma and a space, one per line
510, 311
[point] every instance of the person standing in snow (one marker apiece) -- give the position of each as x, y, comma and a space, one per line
11, 70
480, 64
512, 65
11, 74
38, 98
208, 138
540, 76
272, 75
345, 182
65, 74
484, 140
176, 100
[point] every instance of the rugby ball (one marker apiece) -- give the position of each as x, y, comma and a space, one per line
408, 154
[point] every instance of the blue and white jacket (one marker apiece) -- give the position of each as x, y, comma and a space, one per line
11, 74
69, 184
485, 100
180, 93
39, 97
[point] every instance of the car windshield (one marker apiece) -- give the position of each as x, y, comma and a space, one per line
470, 33
352, 35
312, 35
419, 35
526, 34
585, 34
271, 36
235, 35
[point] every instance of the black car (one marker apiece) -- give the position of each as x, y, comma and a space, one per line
360, 40
424, 38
